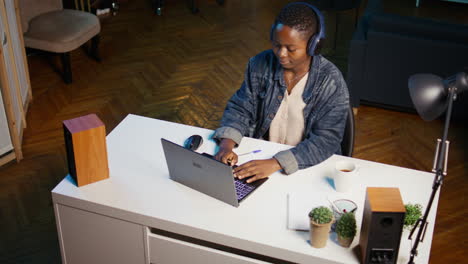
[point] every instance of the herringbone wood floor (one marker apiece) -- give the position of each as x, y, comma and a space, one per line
182, 67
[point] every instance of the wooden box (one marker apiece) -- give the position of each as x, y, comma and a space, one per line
85, 141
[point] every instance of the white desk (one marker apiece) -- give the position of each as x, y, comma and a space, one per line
110, 221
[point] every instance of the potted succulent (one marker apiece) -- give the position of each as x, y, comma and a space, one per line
413, 213
321, 219
346, 229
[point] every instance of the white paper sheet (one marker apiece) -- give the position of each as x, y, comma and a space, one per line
300, 204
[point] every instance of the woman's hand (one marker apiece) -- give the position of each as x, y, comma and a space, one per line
225, 153
258, 169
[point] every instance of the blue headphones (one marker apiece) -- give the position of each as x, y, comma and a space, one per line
315, 39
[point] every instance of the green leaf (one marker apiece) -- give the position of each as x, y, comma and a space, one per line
321, 215
346, 226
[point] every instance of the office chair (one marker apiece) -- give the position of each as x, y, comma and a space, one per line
347, 144
48, 27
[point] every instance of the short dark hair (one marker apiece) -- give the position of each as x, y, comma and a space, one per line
299, 17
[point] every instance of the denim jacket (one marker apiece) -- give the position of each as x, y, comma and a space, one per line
251, 109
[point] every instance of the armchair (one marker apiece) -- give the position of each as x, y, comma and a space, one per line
386, 49
49, 27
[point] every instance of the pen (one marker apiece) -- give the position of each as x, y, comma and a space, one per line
333, 205
250, 152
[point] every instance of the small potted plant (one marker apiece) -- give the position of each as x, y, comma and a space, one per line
346, 229
413, 213
321, 219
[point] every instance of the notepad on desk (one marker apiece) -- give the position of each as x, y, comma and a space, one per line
299, 205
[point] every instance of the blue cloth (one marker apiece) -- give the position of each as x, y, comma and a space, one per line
251, 109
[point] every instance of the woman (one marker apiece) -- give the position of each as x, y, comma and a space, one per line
290, 95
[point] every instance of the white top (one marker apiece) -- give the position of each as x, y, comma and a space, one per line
288, 125
139, 191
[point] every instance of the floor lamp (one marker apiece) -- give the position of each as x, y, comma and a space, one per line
432, 96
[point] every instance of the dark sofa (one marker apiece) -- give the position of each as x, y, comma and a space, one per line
386, 49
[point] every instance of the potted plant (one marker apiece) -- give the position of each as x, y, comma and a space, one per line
321, 219
346, 229
413, 213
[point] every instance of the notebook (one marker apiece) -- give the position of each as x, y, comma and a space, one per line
299, 206
205, 174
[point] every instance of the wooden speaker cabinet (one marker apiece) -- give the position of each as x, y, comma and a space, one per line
85, 141
382, 225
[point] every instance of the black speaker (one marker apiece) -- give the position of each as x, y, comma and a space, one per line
382, 225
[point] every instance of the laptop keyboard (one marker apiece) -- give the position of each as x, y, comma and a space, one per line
243, 188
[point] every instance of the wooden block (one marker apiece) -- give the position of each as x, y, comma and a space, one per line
85, 141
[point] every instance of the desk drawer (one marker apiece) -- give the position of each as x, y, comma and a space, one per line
166, 250
86, 237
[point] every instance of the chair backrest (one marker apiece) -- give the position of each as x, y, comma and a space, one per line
32, 8
336, 5
347, 144
83, 5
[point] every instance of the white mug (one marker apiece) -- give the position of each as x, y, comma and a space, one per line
345, 174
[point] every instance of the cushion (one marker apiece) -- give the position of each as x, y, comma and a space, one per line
61, 30
32, 8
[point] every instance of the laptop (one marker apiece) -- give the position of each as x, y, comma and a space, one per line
205, 174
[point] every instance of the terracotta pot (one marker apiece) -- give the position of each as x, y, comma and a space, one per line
319, 234
345, 241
